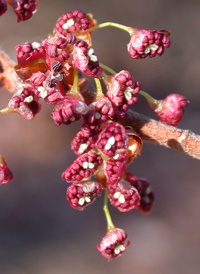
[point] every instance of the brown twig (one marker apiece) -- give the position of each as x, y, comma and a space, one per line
158, 133
8, 77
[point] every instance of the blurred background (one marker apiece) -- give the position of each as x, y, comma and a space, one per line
39, 232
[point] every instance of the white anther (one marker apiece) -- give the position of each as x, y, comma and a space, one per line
97, 115
43, 91
92, 56
152, 47
87, 199
110, 142
122, 247
127, 93
121, 199
35, 45
85, 165
90, 52
90, 165
68, 24
28, 99
116, 157
107, 146
119, 196
82, 148
81, 201
117, 249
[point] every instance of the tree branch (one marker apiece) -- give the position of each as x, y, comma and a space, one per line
159, 133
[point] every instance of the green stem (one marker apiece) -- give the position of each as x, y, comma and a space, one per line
99, 93
98, 86
75, 87
6, 110
152, 101
111, 24
75, 83
110, 225
107, 68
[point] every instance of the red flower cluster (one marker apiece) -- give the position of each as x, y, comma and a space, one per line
52, 70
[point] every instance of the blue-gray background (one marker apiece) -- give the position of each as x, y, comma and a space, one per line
39, 232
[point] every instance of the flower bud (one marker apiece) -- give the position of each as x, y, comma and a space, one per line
83, 141
121, 90
28, 52
147, 196
71, 22
115, 167
3, 7
123, 195
24, 9
171, 109
5, 173
25, 102
85, 60
114, 243
145, 43
112, 137
84, 167
83, 194
68, 110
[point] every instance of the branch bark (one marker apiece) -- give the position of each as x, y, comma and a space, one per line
159, 133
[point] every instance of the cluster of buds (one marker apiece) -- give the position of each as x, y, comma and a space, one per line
53, 70
24, 9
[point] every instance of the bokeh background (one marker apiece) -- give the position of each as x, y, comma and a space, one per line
39, 232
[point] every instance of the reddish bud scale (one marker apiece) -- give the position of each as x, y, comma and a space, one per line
5, 173
83, 167
123, 196
135, 144
82, 142
171, 109
113, 243
75, 21
85, 60
83, 194
111, 138
24, 8
25, 102
26, 72
145, 43
115, 167
28, 52
3, 7
122, 90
